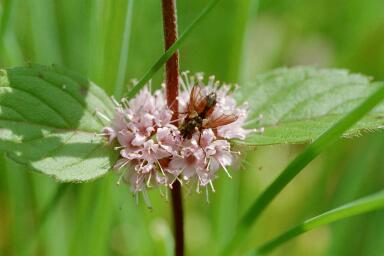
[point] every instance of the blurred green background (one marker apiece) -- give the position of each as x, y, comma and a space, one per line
238, 40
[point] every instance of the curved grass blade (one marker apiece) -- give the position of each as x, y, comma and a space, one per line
363, 205
294, 168
298, 104
171, 50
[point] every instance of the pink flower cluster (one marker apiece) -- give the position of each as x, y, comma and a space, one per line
152, 150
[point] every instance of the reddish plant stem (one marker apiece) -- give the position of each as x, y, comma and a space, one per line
177, 209
172, 90
172, 65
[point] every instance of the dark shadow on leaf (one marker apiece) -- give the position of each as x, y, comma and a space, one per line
48, 122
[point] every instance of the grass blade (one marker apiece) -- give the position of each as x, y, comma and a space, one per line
363, 205
52, 204
17, 187
46, 45
230, 194
294, 168
45, 214
9, 46
362, 168
5, 11
124, 50
95, 37
171, 50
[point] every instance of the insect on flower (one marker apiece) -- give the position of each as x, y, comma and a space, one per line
199, 110
155, 151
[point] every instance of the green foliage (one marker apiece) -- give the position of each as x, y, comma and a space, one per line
86, 36
298, 104
171, 50
361, 206
48, 122
59, 130
123, 61
301, 161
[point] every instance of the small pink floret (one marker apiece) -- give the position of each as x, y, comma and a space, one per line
153, 152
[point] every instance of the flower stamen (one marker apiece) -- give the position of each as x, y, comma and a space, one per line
156, 151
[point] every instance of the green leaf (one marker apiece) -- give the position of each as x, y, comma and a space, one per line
298, 164
363, 205
48, 122
298, 104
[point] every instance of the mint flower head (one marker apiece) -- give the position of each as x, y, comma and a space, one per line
155, 151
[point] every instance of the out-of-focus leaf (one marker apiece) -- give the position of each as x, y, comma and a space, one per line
299, 104
48, 122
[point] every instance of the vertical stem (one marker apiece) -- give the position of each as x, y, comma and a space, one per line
172, 89
177, 209
172, 66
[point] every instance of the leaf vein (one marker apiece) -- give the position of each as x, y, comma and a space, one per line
56, 129
314, 97
14, 110
57, 112
81, 104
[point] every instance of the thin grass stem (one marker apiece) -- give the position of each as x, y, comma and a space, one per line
297, 165
357, 207
124, 51
172, 49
